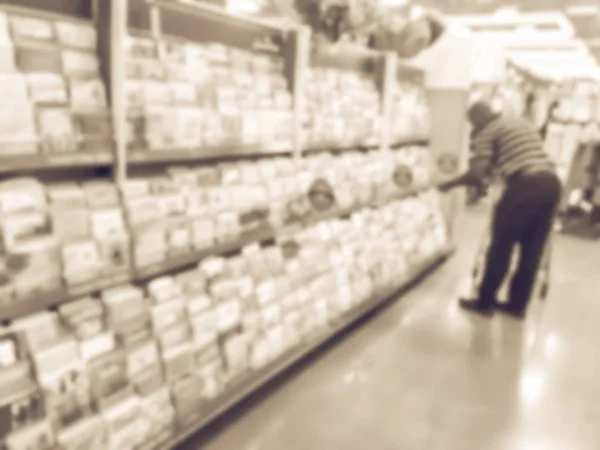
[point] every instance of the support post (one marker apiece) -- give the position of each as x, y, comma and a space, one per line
112, 33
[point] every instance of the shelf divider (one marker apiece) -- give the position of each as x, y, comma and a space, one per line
116, 12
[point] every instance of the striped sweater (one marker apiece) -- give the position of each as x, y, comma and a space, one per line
511, 145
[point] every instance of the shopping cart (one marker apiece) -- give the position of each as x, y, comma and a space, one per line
471, 287
542, 280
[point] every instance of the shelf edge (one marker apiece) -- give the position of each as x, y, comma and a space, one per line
205, 8
226, 152
61, 296
416, 141
49, 162
294, 357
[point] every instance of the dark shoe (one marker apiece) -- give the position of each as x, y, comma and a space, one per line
477, 306
507, 308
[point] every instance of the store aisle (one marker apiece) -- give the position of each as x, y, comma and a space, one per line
422, 375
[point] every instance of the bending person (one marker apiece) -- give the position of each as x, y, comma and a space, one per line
512, 148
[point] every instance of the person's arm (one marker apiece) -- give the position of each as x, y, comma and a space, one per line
544, 131
480, 164
466, 179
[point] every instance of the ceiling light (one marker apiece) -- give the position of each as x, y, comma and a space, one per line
391, 3
507, 13
583, 10
244, 6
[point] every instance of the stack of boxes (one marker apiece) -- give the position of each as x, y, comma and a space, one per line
51, 80
30, 251
185, 96
96, 247
64, 235
343, 108
410, 112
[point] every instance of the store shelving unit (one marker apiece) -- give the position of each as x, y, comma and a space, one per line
178, 22
52, 299
12, 164
575, 134
208, 154
568, 143
246, 387
167, 21
334, 73
78, 13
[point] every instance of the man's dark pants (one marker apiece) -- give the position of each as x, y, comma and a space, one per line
524, 215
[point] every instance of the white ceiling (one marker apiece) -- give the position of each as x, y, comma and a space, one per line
543, 43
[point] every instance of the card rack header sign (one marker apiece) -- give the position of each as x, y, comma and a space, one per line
138, 15
342, 56
204, 25
81, 9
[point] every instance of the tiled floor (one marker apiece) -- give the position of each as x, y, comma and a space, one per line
422, 375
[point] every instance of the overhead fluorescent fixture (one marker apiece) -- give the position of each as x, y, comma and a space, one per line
562, 71
507, 12
244, 6
583, 10
594, 42
416, 12
546, 21
531, 39
526, 30
393, 3
542, 44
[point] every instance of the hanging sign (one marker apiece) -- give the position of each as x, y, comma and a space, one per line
447, 163
403, 176
205, 25
419, 29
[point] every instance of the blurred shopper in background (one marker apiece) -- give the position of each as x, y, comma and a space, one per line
479, 188
529, 110
550, 116
512, 149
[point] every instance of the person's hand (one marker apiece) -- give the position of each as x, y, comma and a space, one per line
445, 187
